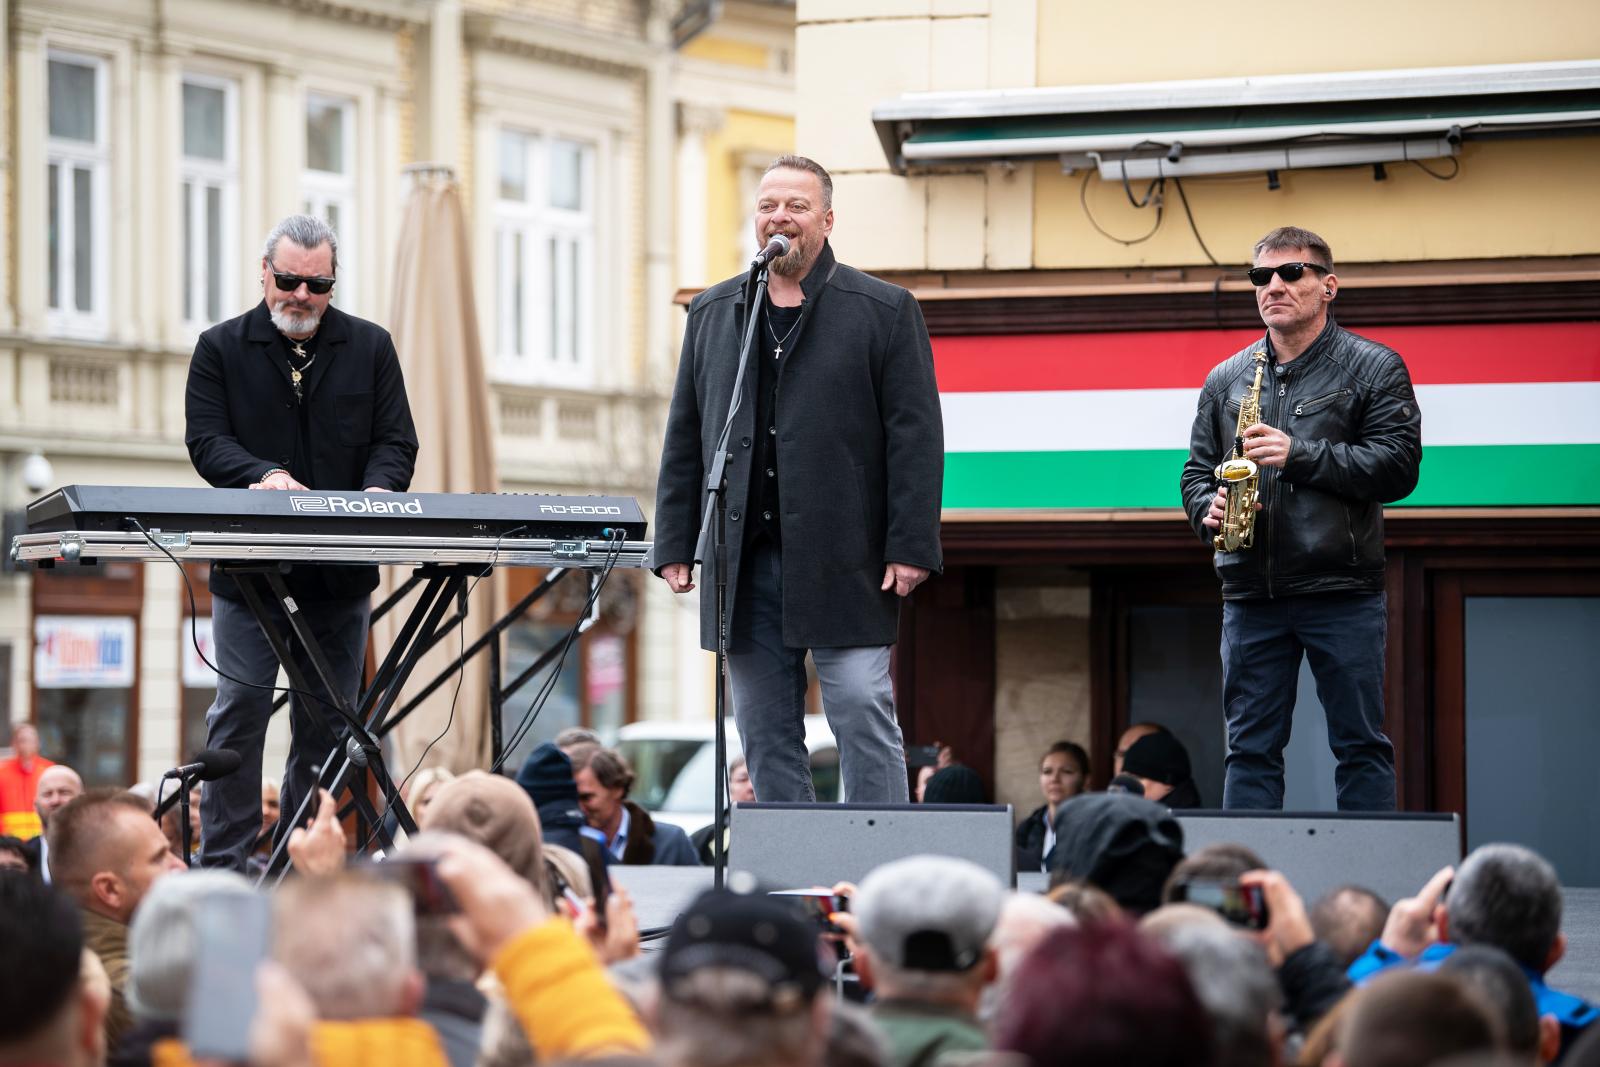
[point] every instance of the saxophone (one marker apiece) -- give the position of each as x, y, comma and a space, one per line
1241, 475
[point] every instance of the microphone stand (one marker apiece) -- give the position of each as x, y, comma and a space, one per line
714, 529
180, 797
183, 821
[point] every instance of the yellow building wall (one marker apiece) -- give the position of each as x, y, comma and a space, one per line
1085, 42
742, 135
1521, 198
726, 50
1518, 198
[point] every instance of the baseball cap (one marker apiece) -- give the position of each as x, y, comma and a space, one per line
928, 913
748, 932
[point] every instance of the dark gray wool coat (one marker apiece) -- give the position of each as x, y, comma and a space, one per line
861, 447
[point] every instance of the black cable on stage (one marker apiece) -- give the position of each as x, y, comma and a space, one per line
613, 554
194, 632
461, 672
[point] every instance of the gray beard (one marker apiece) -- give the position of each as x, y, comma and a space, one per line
797, 261
290, 323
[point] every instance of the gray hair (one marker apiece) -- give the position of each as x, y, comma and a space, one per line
1509, 897
1505, 987
1025, 920
308, 232
717, 1027
1235, 984
349, 940
1289, 238
810, 166
161, 939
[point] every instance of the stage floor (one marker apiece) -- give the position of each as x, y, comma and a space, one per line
660, 893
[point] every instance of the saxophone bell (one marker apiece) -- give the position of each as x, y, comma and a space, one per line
1236, 470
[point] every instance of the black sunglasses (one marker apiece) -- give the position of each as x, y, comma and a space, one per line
1289, 272
290, 282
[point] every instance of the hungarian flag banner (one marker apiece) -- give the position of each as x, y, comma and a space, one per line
1510, 414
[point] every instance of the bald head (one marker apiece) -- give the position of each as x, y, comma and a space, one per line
106, 852
57, 786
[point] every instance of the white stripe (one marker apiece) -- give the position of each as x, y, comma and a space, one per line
1116, 419
1511, 413
1517, 413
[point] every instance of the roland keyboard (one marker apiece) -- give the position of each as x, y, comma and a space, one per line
92, 522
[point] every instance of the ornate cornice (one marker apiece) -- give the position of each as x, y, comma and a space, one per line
389, 15
561, 46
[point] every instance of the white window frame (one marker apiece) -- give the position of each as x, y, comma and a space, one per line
538, 224
320, 189
69, 156
202, 174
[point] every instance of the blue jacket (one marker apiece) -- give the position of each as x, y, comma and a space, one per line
1573, 1012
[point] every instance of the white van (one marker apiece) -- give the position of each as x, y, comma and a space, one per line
672, 763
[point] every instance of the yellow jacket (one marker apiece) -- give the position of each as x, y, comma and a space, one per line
553, 982
562, 998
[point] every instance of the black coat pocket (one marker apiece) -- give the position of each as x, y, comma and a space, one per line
353, 415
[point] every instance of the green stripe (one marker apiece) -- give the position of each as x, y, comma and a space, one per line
1453, 476
1439, 109
1508, 474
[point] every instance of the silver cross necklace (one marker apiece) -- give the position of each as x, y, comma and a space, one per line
779, 342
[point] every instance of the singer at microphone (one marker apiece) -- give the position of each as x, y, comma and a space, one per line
834, 477
777, 246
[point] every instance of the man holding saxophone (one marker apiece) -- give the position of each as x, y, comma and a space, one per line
1330, 432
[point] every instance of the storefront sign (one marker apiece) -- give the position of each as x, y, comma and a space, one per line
82, 652
197, 673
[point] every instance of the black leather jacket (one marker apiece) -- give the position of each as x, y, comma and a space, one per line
1349, 409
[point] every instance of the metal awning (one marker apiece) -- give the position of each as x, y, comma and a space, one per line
923, 129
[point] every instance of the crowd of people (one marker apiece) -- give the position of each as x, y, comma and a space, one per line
499, 959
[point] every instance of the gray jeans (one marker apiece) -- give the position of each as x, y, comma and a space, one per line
768, 681
230, 808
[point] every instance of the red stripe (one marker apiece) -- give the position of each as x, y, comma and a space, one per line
1180, 359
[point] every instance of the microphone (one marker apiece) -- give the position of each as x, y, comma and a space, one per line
210, 764
777, 245
1126, 783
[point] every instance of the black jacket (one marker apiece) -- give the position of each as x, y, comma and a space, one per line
1029, 839
1348, 406
861, 440
242, 422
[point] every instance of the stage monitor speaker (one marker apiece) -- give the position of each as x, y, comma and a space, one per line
1391, 853
791, 846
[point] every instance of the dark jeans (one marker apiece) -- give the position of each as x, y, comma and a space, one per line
1342, 637
230, 808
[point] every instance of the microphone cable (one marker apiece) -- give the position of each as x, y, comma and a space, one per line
461, 670
194, 631
613, 554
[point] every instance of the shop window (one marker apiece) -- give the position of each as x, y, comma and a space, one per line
86, 667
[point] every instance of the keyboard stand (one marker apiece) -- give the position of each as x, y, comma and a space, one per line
359, 751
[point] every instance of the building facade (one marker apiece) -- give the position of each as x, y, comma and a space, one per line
1073, 195
149, 147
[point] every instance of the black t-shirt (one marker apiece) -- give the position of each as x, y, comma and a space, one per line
776, 332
